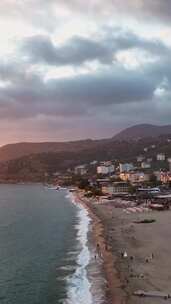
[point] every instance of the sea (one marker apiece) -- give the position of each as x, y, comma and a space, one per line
47, 254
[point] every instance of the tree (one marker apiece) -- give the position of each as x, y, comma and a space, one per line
153, 179
132, 189
84, 184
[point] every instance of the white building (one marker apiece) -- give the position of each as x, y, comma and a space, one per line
114, 188
139, 177
145, 165
140, 158
105, 169
56, 173
106, 163
94, 162
80, 170
126, 167
134, 177
161, 157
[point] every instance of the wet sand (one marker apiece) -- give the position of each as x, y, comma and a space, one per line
148, 265
114, 292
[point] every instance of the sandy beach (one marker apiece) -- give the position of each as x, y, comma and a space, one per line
148, 247
114, 292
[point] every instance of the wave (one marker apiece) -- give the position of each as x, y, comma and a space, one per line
79, 286
67, 268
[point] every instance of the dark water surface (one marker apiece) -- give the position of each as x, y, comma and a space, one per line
37, 241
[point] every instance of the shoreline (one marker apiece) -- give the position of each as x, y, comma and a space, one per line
146, 266
78, 290
114, 292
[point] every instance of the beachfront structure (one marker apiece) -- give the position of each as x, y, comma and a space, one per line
120, 187
115, 188
102, 181
105, 169
157, 175
106, 163
93, 163
124, 176
80, 170
140, 158
148, 191
126, 167
169, 161
134, 177
165, 177
139, 177
161, 157
56, 174
145, 165
107, 189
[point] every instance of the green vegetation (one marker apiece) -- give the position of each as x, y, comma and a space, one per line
43, 165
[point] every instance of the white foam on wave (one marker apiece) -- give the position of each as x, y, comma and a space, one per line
79, 287
68, 267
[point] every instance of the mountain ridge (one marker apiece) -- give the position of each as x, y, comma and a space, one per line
134, 133
141, 131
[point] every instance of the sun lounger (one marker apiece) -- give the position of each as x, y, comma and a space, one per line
157, 294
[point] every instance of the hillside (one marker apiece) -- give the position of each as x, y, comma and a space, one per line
13, 151
33, 167
17, 150
142, 131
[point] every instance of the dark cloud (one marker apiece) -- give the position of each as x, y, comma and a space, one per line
116, 86
115, 97
112, 92
112, 96
78, 50
74, 96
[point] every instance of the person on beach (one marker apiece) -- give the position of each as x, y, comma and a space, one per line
98, 251
125, 255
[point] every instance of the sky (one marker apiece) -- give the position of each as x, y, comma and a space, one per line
74, 69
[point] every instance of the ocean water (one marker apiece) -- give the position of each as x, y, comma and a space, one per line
45, 255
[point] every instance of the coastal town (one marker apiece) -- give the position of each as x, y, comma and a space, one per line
130, 206
124, 185
145, 178
85, 152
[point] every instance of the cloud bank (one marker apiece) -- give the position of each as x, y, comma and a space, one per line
57, 75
